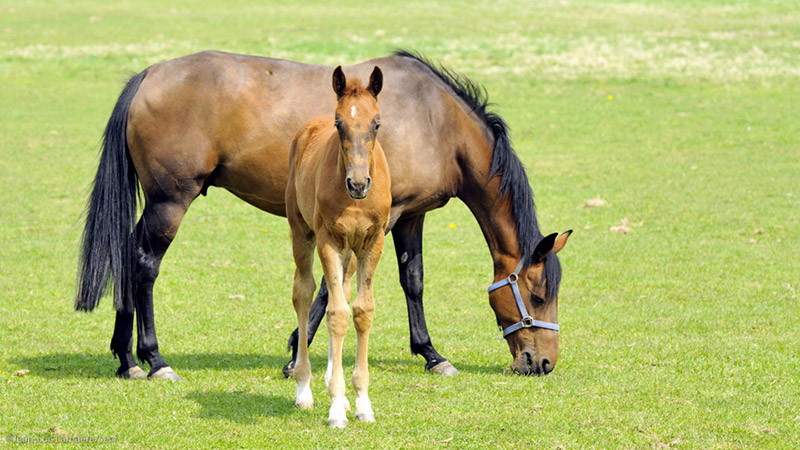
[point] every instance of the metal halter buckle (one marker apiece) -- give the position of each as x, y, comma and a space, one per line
527, 321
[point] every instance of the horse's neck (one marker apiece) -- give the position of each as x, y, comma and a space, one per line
492, 211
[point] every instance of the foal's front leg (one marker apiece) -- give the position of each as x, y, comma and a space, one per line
333, 259
363, 312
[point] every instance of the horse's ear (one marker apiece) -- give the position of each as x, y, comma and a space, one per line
375, 82
544, 247
561, 241
339, 82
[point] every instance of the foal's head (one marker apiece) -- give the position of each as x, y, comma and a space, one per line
357, 121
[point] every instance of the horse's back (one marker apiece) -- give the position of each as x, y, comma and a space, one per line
227, 120
217, 119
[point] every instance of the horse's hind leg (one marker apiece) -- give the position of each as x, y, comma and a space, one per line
154, 233
363, 312
122, 346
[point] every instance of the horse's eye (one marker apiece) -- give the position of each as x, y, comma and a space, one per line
377, 125
536, 299
337, 124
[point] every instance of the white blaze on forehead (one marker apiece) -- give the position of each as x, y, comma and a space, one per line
353, 111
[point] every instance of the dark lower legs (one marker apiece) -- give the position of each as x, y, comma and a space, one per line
153, 235
122, 346
407, 235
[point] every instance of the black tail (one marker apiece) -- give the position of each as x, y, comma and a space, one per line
108, 246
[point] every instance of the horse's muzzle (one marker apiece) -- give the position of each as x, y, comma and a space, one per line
528, 363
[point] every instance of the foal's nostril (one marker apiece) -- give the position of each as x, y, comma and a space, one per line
369, 182
349, 183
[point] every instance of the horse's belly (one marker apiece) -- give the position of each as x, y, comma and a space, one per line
258, 177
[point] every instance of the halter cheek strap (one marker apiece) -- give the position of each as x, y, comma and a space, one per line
527, 321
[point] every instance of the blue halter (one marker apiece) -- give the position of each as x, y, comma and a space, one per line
527, 321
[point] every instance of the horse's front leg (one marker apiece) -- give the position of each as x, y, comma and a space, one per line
407, 235
333, 259
363, 312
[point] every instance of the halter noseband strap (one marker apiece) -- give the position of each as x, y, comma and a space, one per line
527, 321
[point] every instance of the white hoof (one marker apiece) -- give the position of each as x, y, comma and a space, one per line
337, 423
304, 398
337, 416
366, 417
364, 411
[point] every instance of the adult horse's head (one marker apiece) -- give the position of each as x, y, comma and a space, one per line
357, 121
526, 306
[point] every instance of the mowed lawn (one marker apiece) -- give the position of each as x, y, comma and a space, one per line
682, 333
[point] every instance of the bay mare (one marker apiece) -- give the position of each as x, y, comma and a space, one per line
227, 120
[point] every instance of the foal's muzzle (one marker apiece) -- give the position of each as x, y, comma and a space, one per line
358, 189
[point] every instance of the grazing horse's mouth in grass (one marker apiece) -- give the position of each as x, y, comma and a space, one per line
530, 362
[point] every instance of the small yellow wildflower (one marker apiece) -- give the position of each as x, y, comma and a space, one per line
611, 97
453, 226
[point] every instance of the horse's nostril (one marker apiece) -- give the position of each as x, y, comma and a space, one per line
547, 366
349, 183
369, 182
530, 366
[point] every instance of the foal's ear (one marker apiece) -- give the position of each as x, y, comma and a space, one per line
375, 82
561, 241
339, 82
544, 247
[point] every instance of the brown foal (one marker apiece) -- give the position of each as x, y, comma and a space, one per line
339, 196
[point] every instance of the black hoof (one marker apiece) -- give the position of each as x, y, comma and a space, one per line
288, 369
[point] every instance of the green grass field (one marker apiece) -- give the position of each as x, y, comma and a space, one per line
682, 333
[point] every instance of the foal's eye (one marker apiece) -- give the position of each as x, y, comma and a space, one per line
377, 125
337, 124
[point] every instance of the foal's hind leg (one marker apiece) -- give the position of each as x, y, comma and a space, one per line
363, 311
302, 294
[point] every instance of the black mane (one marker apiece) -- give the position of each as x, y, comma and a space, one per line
505, 164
